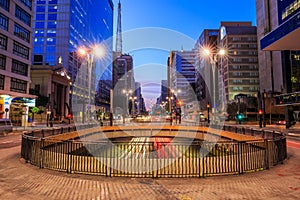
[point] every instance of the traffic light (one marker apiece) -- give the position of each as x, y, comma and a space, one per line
240, 116
260, 113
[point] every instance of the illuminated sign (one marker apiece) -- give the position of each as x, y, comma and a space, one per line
223, 32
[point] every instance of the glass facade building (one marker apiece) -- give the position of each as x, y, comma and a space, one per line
61, 27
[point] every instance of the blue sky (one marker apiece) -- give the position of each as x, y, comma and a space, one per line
187, 17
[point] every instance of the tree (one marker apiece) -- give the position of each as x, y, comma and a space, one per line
233, 109
33, 111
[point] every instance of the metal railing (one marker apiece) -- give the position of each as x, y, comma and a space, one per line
152, 159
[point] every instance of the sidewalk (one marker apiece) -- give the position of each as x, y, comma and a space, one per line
20, 180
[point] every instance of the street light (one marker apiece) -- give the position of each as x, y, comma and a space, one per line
127, 93
208, 107
170, 98
97, 51
133, 99
213, 60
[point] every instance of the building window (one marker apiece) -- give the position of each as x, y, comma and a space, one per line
4, 4
27, 3
21, 50
17, 85
23, 15
1, 82
2, 62
51, 24
3, 22
52, 17
52, 1
22, 33
3, 42
253, 73
40, 9
19, 68
52, 8
237, 81
41, 1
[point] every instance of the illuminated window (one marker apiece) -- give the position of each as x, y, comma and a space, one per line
3, 22
4, 4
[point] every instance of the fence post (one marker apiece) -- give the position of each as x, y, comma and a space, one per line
41, 153
240, 158
69, 153
108, 165
267, 165
263, 134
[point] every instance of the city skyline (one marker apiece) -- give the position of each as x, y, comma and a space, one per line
175, 17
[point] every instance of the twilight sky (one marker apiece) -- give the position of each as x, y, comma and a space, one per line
151, 28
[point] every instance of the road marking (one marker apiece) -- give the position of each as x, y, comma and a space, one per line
10, 141
293, 144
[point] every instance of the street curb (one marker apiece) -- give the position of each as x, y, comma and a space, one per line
293, 134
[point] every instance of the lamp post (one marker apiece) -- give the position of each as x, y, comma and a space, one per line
90, 53
213, 61
127, 93
271, 104
208, 107
170, 98
264, 107
133, 99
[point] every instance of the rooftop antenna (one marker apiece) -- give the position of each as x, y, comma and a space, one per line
119, 31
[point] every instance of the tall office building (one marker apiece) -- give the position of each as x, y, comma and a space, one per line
182, 78
61, 27
183, 72
278, 24
204, 80
123, 80
270, 62
239, 70
278, 30
15, 51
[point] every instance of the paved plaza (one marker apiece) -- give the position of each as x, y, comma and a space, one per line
20, 180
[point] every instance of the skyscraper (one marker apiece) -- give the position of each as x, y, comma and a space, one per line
208, 38
61, 27
15, 52
183, 77
278, 24
241, 65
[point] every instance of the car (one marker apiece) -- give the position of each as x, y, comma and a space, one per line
283, 122
5, 126
168, 118
202, 118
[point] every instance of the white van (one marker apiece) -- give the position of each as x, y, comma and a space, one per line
5, 126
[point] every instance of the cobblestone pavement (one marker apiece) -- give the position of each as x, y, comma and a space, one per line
19, 180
